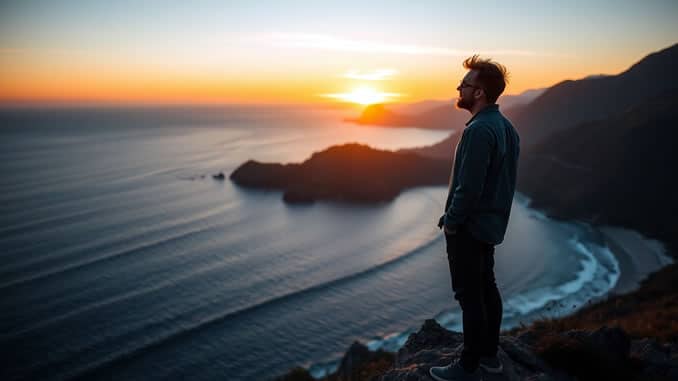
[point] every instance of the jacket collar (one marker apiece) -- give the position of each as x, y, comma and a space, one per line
487, 109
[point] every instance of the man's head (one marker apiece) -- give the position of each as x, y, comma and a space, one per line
483, 84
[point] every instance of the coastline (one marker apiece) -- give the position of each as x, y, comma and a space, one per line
638, 256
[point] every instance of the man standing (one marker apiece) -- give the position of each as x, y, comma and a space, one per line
476, 215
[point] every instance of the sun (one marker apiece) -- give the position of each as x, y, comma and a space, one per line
364, 95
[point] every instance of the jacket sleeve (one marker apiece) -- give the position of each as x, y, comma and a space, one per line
476, 150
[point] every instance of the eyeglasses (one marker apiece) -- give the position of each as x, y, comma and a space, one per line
464, 85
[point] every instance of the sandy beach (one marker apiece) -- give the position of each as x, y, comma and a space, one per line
638, 256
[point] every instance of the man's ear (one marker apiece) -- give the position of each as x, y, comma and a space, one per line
477, 93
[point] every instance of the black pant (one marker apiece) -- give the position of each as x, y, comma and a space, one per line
472, 270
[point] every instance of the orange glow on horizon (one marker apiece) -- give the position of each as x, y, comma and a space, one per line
122, 89
74, 82
239, 53
364, 95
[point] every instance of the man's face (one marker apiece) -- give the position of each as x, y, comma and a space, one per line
468, 90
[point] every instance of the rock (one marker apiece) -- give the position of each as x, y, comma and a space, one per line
601, 354
528, 337
654, 359
296, 374
521, 353
356, 356
359, 363
433, 345
649, 351
219, 176
611, 343
430, 336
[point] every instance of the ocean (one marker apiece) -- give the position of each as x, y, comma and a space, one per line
122, 258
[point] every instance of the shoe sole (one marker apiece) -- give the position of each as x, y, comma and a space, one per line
435, 377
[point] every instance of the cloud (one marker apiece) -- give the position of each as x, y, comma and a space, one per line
327, 42
377, 75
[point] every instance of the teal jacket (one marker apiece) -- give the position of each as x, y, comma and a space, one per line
484, 176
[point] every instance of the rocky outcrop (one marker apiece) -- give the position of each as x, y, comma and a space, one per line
433, 345
602, 354
358, 363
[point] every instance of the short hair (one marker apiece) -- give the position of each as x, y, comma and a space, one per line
492, 76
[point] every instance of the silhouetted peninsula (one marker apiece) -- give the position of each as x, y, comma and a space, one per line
349, 172
443, 116
432, 114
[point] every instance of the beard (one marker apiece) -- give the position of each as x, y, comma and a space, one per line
466, 104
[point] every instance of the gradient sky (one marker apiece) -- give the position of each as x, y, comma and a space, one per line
310, 51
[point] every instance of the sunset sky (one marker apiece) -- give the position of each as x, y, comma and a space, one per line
310, 51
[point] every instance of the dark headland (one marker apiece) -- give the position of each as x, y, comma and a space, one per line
349, 173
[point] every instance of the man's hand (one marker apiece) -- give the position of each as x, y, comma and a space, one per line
450, 230
446, 229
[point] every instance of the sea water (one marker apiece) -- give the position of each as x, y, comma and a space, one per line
122, 258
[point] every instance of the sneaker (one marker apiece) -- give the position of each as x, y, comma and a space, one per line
491, 364
454, 372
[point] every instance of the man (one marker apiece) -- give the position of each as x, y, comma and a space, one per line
476, 215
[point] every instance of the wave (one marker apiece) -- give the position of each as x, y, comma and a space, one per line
594, 269
187, 166
525, 202
33, 188
207, 322
72, 266
54, 320
54, 209
116, 216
